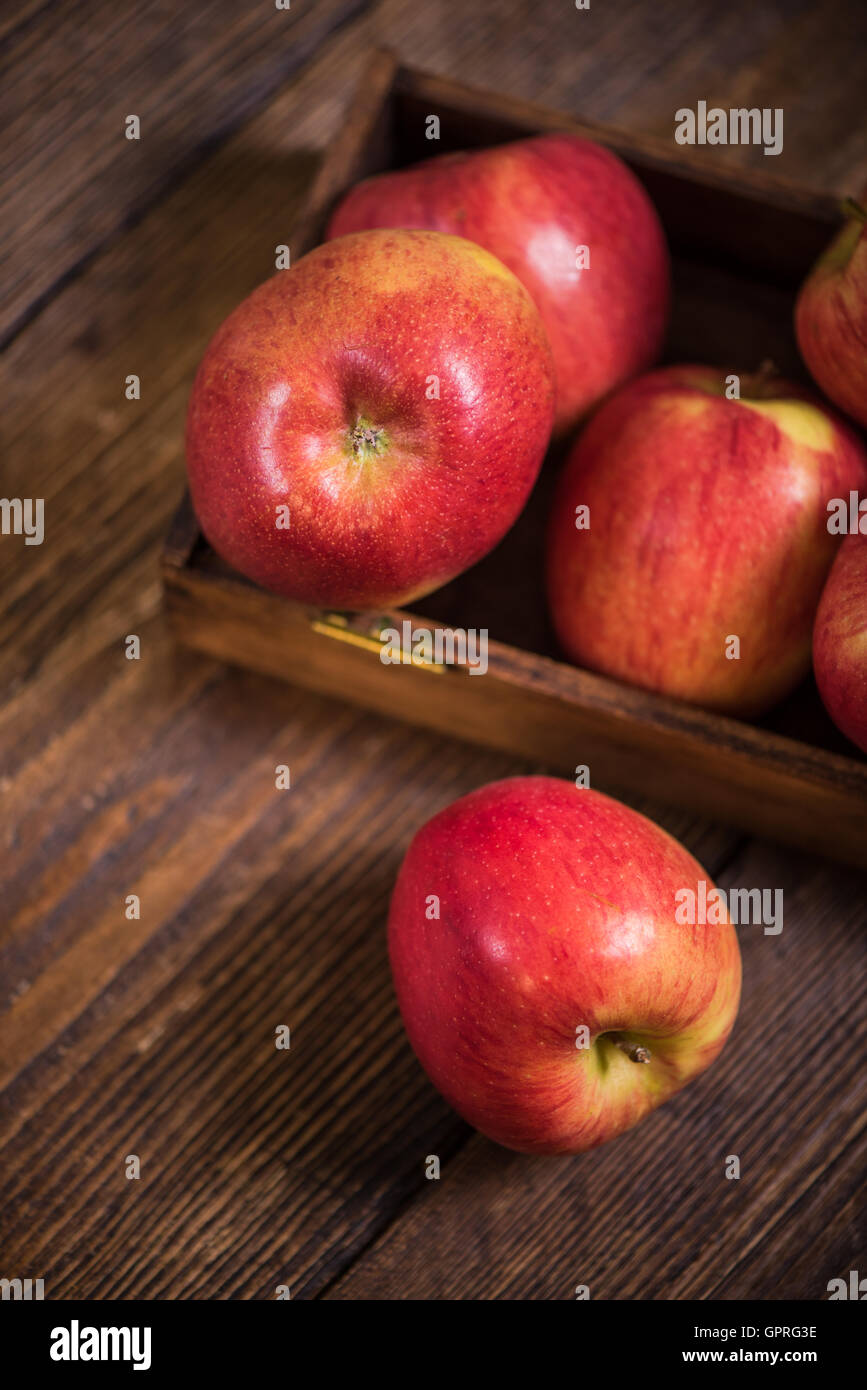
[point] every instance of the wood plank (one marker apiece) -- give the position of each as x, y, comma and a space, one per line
72, 180
652, 1215
192, 74
16, 17
791, 57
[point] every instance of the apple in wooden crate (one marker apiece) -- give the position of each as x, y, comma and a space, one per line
369, 423
840, 640
573, 223
831, 318
546, 984
688, 541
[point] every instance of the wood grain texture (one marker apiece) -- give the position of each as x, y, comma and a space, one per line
155, 1036
192, 74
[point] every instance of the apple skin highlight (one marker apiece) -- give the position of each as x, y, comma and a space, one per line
393, 392
534, 203
707, 520
556, 911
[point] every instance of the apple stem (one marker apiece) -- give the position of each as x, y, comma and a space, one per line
853, 209
755, 385
634, 1051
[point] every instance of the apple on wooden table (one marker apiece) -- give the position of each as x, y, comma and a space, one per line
840, 640
369, 423
688, 541
831, 317
576, 227
545, 982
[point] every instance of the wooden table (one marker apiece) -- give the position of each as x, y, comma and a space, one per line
154, 1035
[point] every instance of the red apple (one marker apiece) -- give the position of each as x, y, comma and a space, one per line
831, 318
534, 203
544, 980
840, 640
701, 569
368, 424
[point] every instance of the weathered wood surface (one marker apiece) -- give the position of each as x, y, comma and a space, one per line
156, 777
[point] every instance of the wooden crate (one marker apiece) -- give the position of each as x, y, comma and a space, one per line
741, 245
